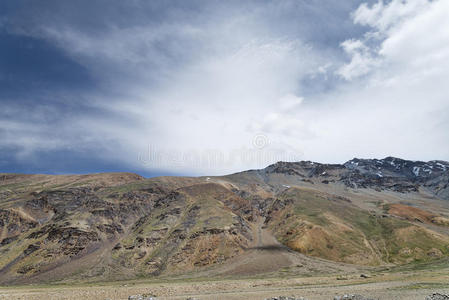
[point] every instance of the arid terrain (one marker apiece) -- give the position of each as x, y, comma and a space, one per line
404, 285
375, 227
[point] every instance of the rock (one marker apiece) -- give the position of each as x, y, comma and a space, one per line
142, 297
351, 297
438, 296
286, 298
435, 253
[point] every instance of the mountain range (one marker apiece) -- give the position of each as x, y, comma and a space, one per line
288, 218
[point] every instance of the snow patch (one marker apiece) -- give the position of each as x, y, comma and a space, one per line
416, 170
441, 166
392, 162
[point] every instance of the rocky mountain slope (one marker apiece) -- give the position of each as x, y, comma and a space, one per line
305, 216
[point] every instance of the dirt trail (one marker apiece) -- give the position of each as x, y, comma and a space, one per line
267, 255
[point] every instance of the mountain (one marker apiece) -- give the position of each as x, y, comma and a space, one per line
295, 217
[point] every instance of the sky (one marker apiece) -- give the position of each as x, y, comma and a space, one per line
214, 87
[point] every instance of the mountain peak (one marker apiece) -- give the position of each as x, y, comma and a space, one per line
389, 173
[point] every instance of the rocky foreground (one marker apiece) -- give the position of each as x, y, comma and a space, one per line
434, 296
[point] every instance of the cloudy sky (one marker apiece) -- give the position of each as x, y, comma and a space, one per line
212, 87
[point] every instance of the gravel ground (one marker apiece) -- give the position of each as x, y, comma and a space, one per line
408, 286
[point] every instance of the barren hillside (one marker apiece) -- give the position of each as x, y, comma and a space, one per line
301, 218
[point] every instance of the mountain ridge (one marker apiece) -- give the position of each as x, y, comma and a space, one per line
324, 217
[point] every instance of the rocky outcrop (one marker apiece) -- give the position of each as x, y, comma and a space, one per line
140, 228
398, 175
352, 297
394, 174
142, 297
438, 296
286, 298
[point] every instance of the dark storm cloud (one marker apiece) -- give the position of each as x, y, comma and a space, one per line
30, 66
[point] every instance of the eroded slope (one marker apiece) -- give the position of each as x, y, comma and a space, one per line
300, 217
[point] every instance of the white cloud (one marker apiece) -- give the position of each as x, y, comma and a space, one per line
240, 80
404, 34
398, 106
290, 102
384, 16
362, 59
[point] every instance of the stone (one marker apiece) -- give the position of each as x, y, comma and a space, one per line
286, 298
438, 296
142, 297
351, 297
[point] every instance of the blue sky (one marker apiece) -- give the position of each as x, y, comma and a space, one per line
212, 87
